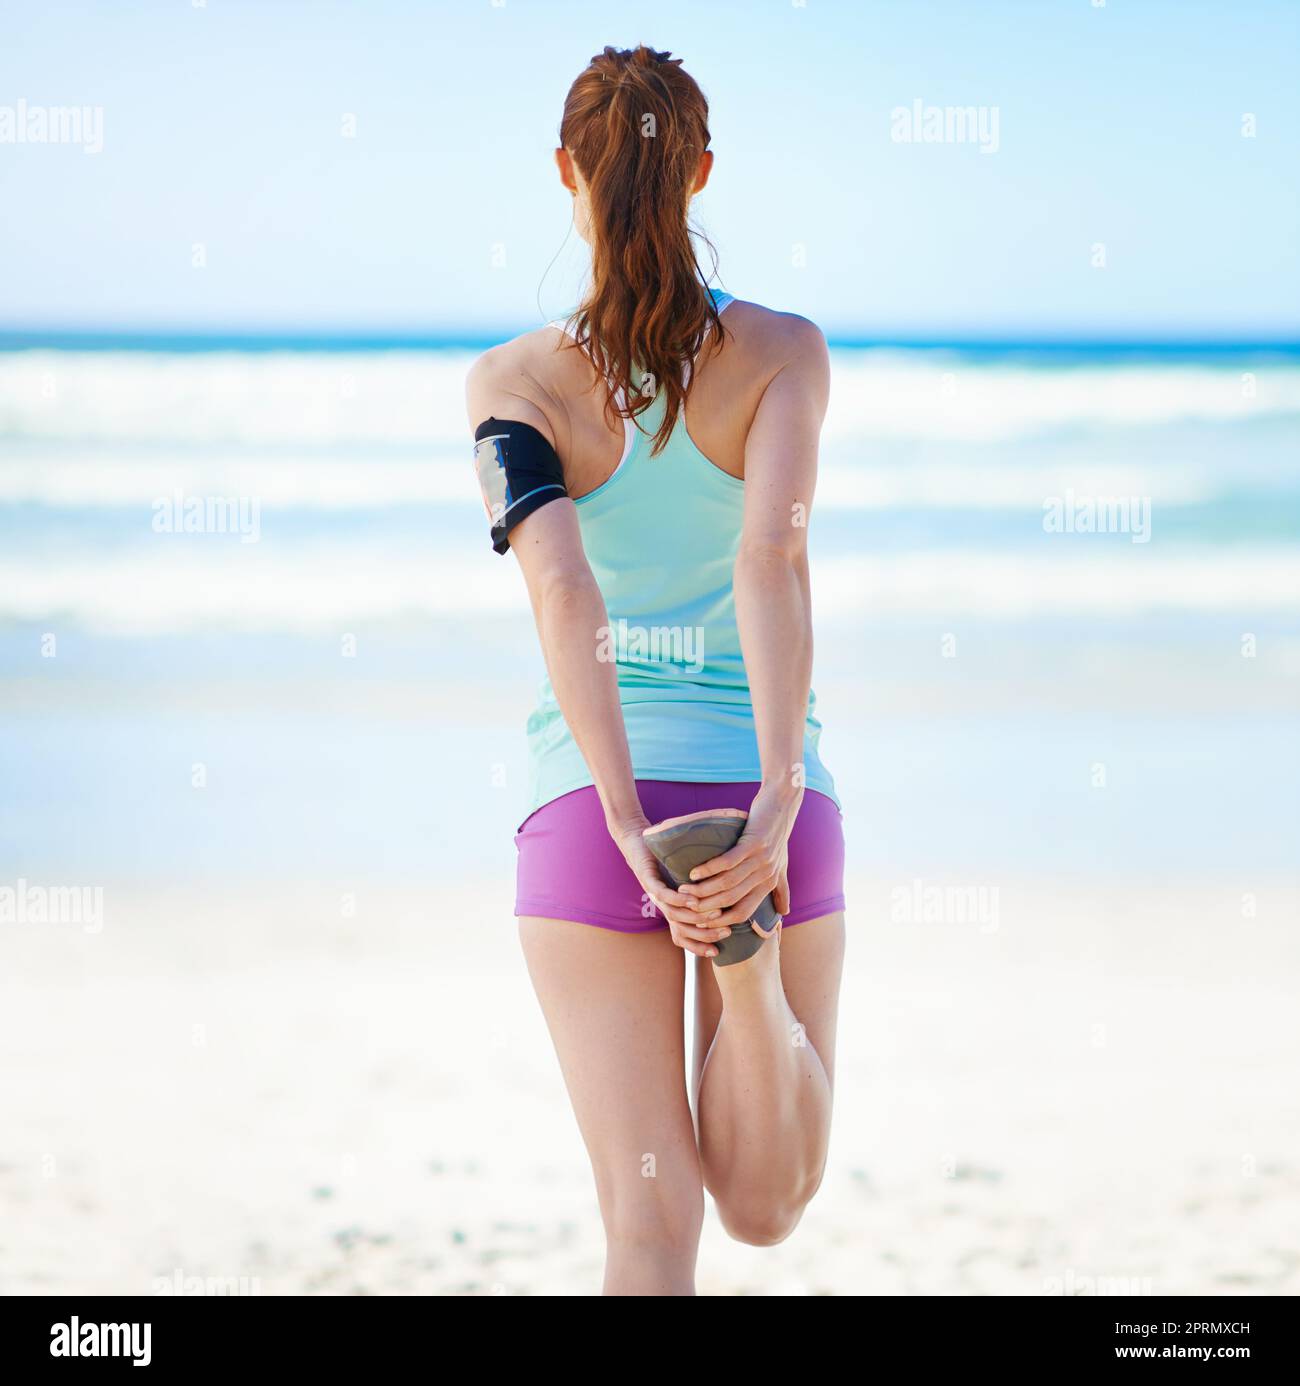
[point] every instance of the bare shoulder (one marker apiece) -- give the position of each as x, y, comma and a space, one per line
775, 338
781, 357
515, 380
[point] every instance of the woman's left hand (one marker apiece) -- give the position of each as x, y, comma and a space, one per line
693, 926
740, 880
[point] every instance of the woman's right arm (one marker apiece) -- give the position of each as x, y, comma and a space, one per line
774, 616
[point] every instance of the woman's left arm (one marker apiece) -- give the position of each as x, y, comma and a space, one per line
570, 611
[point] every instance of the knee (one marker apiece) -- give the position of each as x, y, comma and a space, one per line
762, 1225
767, 1221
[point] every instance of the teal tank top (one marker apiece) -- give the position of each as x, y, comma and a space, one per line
661, 536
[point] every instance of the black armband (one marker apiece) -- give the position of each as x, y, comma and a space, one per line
518, 473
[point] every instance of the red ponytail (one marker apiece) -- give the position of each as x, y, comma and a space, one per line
637, 126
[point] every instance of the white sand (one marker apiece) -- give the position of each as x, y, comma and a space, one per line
1102, 1088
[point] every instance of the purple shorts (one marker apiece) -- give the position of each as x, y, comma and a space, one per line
570, 868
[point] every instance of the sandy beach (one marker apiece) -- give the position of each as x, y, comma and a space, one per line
1092, 1093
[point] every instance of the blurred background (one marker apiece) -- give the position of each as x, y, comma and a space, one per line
263, 683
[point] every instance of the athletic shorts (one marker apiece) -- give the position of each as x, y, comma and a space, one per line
570, 867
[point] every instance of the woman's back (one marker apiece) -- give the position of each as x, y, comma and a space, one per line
725, 392
660, 532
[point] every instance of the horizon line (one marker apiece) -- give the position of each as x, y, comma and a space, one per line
198, 338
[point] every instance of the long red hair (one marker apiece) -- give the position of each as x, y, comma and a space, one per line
637, 125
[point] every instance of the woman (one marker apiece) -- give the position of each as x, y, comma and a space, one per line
651, 465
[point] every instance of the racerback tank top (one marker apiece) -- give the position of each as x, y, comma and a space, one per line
661, 536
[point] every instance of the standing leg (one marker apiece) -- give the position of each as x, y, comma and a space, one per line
764, 1061
614, 1007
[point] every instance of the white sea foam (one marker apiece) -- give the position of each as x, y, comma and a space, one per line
232, 397
979, 582
208, 586
82, 479
882, 394
251, 590
416, 397
1000, 486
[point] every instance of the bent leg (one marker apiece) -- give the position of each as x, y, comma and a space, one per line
614, 1006
764, 1063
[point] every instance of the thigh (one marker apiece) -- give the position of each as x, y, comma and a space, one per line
613, 1003
812, 961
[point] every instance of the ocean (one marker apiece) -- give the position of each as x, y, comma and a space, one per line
251, 629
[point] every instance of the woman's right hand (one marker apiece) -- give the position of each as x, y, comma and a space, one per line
688, 922
738, 881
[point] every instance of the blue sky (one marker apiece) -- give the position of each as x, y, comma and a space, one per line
223, 126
